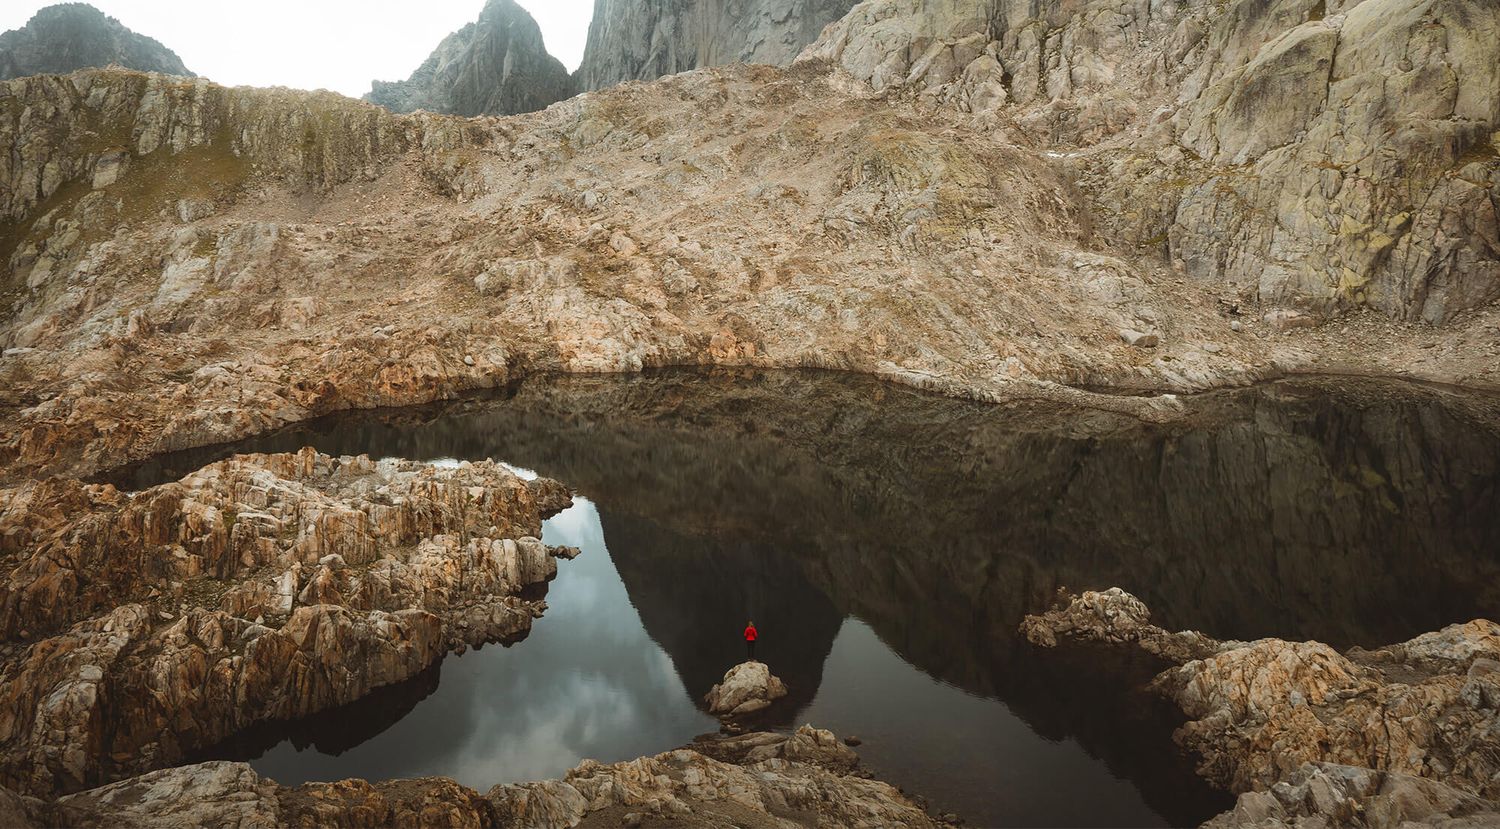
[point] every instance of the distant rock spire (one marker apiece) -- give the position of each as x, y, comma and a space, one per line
71, 36
497, 65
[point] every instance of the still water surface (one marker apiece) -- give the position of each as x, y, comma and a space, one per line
887, 543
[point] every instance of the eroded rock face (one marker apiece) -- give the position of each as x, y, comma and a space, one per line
642, 40
144, 626
1261, 711
497, 65
1325, 156
70, 36
1320, 793
804, 779
747, 688
1046, 178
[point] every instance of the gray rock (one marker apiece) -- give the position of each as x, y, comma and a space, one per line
646, 39
1325, 794
747, 687
71, 36
497, 65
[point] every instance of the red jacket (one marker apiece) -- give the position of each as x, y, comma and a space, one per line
750, 634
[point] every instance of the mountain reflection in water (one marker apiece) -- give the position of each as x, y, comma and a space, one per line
887, 543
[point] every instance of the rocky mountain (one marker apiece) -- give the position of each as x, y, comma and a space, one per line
988, 204
497, 65
72, 36
1003, 200
1325, 155
646, 39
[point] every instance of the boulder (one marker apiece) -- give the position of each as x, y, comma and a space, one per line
747, 687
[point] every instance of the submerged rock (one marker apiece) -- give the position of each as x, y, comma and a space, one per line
1262, 712
263, 587
747, 687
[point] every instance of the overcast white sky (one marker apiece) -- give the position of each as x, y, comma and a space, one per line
315, 44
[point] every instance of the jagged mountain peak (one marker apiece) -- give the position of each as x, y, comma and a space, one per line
497, 65
67, 37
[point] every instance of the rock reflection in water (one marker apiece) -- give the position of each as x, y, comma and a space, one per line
1351, 513
590, 683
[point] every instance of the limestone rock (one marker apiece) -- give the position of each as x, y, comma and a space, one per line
1111, 616
645, 39
1260, 711
1323, 794
67, 37
760, 772
276, 586
1139, 339
497, 65
747, 687
758, 776
209, 794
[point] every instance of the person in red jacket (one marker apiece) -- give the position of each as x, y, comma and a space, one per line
750, 635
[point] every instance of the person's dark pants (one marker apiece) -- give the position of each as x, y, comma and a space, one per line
750, 644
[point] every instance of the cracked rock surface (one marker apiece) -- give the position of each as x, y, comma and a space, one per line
1304, 732
139, 627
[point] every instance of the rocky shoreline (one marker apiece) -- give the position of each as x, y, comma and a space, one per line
1407, 734
757, 781
140, 627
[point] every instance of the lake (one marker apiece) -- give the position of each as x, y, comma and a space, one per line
887, 543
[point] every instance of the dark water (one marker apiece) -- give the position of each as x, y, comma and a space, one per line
887, 543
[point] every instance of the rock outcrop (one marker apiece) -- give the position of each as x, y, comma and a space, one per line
806, 779
140, 627
221, 262
1262, 711
1255, 145
497, 65
1322, 794
642, 40
747, 688
70, 36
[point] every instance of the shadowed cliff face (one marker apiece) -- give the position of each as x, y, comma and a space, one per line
642, 40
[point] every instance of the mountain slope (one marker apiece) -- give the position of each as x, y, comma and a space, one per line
71, 36
497, 65
646, 39
992, 205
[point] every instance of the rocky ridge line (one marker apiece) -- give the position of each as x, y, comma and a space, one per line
66, 37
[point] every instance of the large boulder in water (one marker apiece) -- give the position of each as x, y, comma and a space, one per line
747, 687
